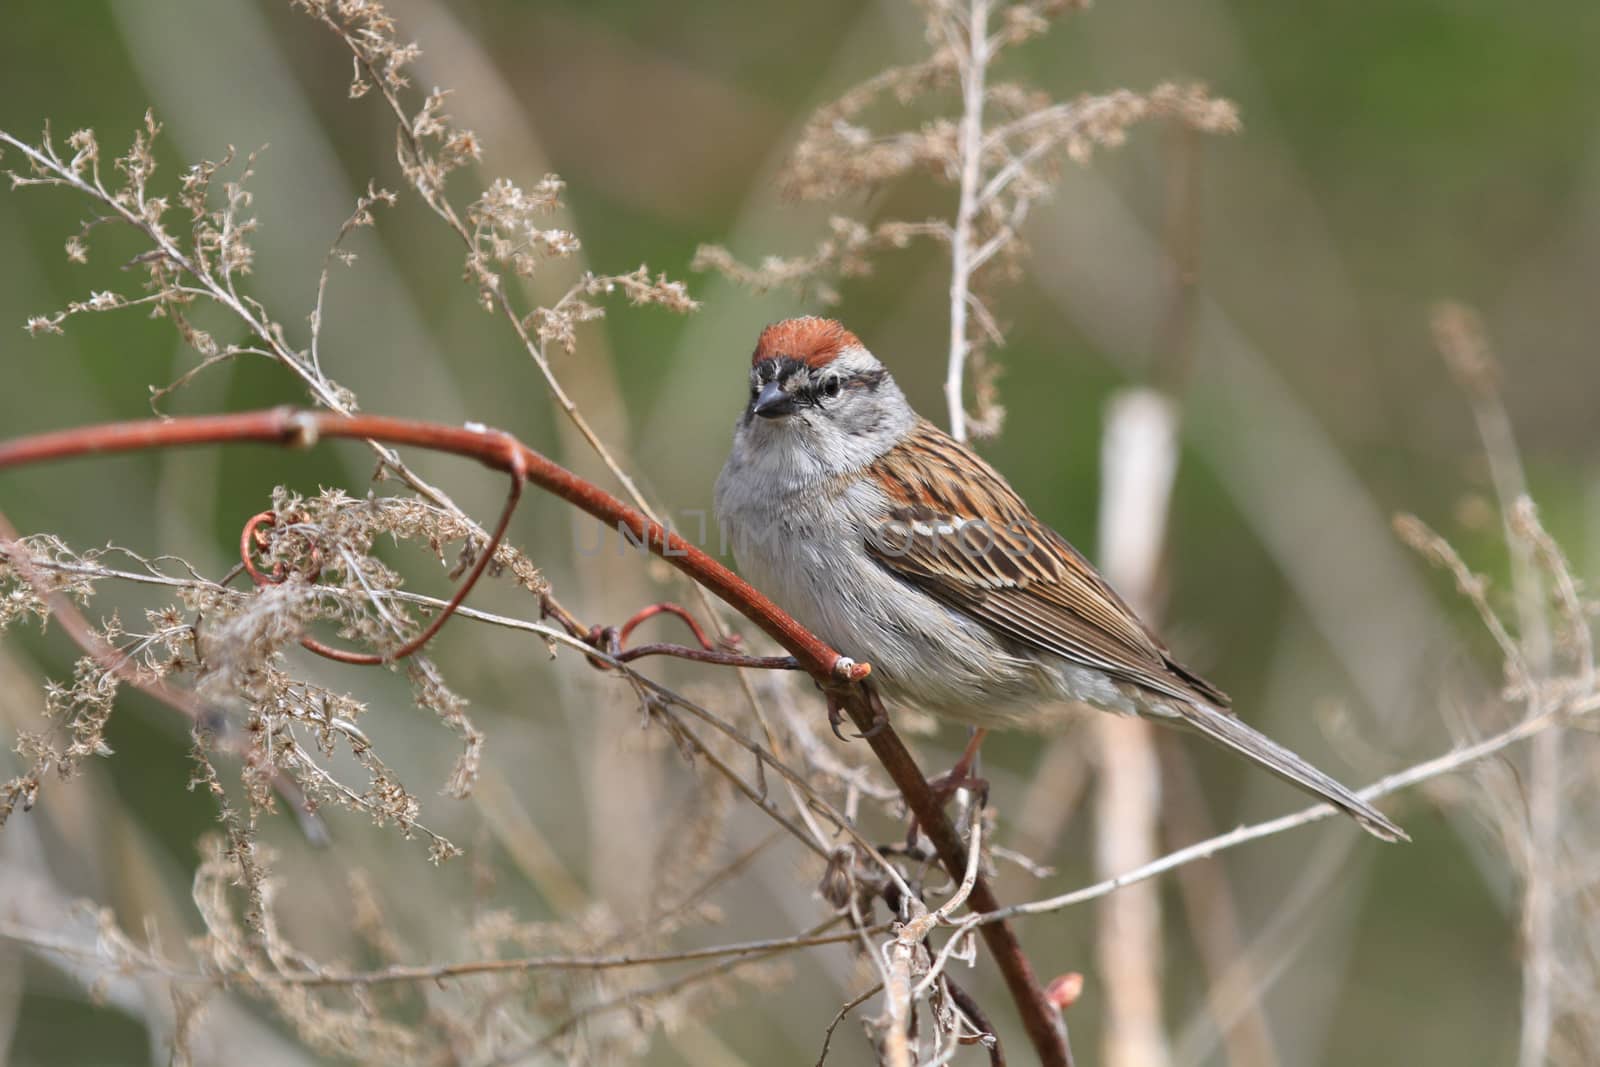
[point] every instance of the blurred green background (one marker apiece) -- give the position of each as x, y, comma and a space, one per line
1391, 155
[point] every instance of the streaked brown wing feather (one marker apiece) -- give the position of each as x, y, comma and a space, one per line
961, 534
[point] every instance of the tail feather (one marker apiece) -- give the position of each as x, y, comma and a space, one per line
1226, 730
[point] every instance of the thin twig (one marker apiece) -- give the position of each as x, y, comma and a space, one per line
1443, 764
852, 1005
651, 993
919, 928
523, 964
974, 52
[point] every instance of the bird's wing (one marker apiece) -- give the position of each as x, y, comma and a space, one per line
959, 533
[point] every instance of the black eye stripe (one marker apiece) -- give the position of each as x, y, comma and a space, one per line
809, 390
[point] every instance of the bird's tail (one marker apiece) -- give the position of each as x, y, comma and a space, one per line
1227, 730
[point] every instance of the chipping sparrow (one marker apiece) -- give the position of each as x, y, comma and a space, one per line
897, 544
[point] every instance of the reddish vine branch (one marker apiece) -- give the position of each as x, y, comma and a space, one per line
500, 451
610, 640
645, 614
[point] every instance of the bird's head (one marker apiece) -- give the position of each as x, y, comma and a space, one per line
815, 389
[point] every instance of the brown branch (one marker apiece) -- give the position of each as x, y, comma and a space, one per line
289, 427
1047, 1031
700, 655
610, 639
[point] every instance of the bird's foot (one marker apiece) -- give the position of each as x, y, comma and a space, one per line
836, 714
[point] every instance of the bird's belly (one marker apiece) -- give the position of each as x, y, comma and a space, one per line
922, 653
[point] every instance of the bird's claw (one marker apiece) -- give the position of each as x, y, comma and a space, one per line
836, 717
880, 716
877, 727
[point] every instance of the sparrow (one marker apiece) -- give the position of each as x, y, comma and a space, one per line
897, 544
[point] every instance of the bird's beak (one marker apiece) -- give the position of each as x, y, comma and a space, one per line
772, 401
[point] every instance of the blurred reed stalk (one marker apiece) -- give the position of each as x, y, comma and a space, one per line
1139, 460
1138, 467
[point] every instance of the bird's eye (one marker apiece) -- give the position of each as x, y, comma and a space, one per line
831, 387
